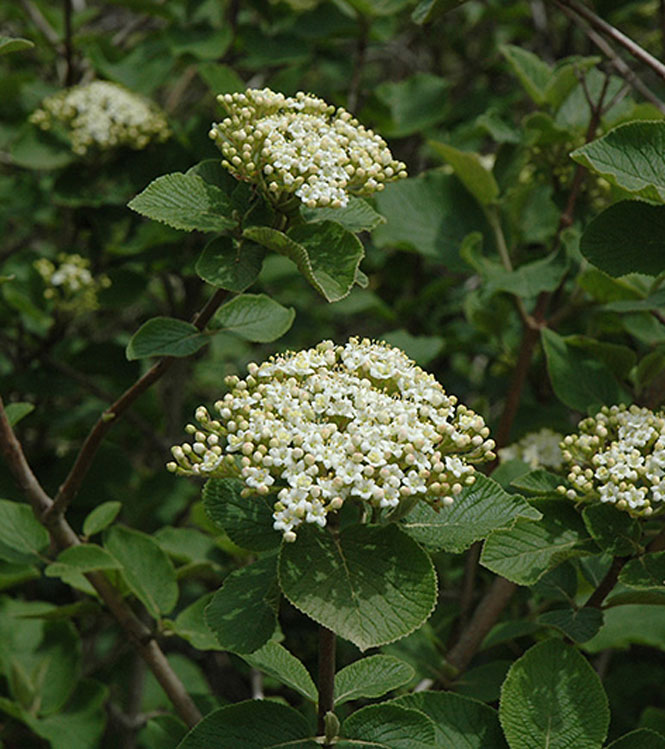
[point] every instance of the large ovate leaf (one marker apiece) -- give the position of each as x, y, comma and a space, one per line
22, 536
185, 201
415, 103
616, 533
524, 553
428, 214
229, 264
647, 571
242, 614
83, 558
324, 252
470, 170
357, 215
254, 724
579, 380
627, 237
368, 584
388, 726
552, 697
475, 513
191, 625
539, 482
147, 570
459, 722
165, 336
276, 661
101, 517
246, 520
255, 317
630, 624
579, 625
632, 157
371, 677
533, 73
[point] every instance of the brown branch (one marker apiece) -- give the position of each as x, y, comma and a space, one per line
84, 459
64, 537
639, 53
484, 618
326, 676
596, 599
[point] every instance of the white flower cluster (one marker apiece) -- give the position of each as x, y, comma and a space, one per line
539, 449
301, 146
104, 115
618, 456
333, 423
70, 283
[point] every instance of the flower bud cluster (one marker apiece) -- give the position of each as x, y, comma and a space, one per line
70, 283
539, 449
618, 456
103, 115
331, 424
301, 146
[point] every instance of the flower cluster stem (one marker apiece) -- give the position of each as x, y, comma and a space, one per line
326, 682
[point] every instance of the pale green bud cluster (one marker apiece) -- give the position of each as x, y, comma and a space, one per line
301, 146
103, 115
618, 456
539, 449
330, 424
70, 283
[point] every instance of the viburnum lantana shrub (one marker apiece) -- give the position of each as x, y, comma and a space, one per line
323, 498
332, 424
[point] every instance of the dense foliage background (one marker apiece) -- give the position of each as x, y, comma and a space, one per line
476, 272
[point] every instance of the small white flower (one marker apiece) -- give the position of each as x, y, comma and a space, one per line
538, 449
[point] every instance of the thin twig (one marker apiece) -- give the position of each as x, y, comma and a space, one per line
639, 53
595, 600
64, 537
41, 23
83, 461
621, 67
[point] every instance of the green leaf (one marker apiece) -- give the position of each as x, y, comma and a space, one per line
254, 724
459, 722
619, 359
471, 172
532, 72
185, 201
246, 520
191, 625
17, 411
36, 149
147, 570
475, 513
388, 726
324, 252
101, 517
654, 301
14, 44
22, 536
371, 677
430, 215
627, 237
230, 265
647, 571
539, 482
643, 738
552, 697
429, 10
415, 103
83, 558
579, 380
524, 553
567, 77
632, 157
276, 661
422, 348
357, 216
334, 579
165, 336
630, 624
531, 278
255, 317
220, 79
242, 613
616, 533
579, 625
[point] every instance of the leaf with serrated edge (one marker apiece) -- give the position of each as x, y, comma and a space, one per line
371, 677
276, 661
388, 726
476, 512
552, 697
368, 584
165, 336
255, 317
230, 265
